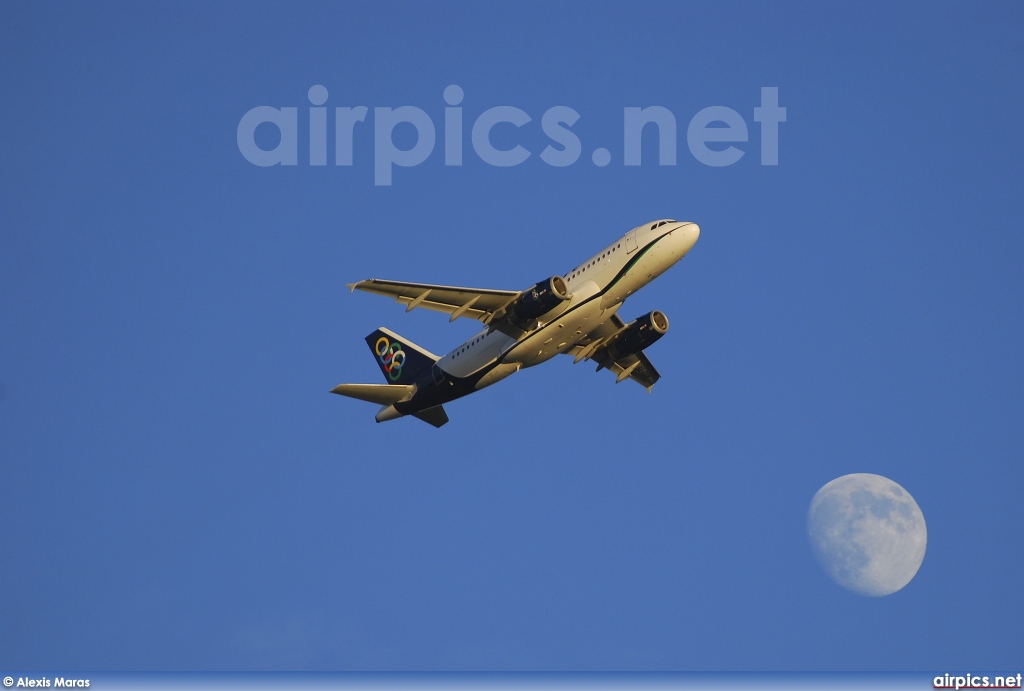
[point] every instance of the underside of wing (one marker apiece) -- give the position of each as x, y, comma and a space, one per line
475, 303
636, 367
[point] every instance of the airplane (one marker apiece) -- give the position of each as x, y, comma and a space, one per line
575, 313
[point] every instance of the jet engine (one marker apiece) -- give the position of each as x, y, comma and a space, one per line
538, 300
638, 334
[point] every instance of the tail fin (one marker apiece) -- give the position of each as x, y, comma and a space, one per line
400, 360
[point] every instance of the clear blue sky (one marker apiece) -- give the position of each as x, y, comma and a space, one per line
181, 492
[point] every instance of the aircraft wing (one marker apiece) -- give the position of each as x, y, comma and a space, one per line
636, 367
477, 303
640, 370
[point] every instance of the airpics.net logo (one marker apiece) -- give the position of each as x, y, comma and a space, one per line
712, 135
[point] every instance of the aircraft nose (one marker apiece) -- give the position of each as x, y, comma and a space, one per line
688, 234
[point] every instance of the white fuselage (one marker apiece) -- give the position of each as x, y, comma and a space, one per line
613, 274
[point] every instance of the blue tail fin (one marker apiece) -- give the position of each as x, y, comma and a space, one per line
400, 360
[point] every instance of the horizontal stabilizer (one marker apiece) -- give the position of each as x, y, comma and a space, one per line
434, 416
382, 394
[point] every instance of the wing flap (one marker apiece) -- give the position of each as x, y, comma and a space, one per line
476, 303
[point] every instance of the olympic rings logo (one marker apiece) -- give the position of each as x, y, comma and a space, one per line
391, 357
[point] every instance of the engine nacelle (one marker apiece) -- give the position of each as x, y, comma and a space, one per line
538, 300
638, 334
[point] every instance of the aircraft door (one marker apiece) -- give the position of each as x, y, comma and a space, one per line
438, 374
630, 241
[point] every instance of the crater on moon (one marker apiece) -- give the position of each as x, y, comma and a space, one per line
868, 533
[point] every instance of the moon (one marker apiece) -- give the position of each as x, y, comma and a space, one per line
868, 533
